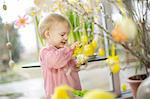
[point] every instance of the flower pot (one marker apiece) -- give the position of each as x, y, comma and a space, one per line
134, 82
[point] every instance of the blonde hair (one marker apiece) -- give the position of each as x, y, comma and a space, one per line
47, 22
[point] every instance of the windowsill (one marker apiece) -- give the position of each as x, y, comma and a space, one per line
126, 95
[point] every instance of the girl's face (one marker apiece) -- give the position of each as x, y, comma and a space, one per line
59, 34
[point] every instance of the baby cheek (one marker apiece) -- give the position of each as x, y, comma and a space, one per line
66, 37
59, 38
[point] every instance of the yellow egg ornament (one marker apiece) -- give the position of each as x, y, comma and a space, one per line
128, 27
98, 94
118, 35
125, 30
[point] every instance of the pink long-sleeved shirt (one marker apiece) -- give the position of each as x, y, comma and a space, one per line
58, 69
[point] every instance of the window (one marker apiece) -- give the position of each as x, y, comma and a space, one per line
26, 35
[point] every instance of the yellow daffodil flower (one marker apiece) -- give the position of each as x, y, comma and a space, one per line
84, 39
98, 94
101, 52
124, 87
94, 44
78, 50
62, 92
115, 68
81, 59
114, 63
88, 50
112, 60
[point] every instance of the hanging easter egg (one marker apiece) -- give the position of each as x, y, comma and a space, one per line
9, 45
125, 30
118, 35
11, 63
4, 7
128, 27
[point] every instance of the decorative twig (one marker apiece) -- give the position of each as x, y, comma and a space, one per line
140, 46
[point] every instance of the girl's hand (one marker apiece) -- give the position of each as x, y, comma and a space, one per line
74, 45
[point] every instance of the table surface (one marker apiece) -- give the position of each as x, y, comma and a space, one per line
91, 59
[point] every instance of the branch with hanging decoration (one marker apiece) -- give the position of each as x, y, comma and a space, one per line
8, 44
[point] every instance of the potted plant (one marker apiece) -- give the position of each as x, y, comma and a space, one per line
139, 48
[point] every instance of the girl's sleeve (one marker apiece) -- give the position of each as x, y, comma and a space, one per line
56, 58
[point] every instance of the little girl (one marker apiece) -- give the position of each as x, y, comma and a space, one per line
56, 59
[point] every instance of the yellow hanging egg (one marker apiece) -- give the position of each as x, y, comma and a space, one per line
115, 68
84, 39
88, 50
98, 94
101, 52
